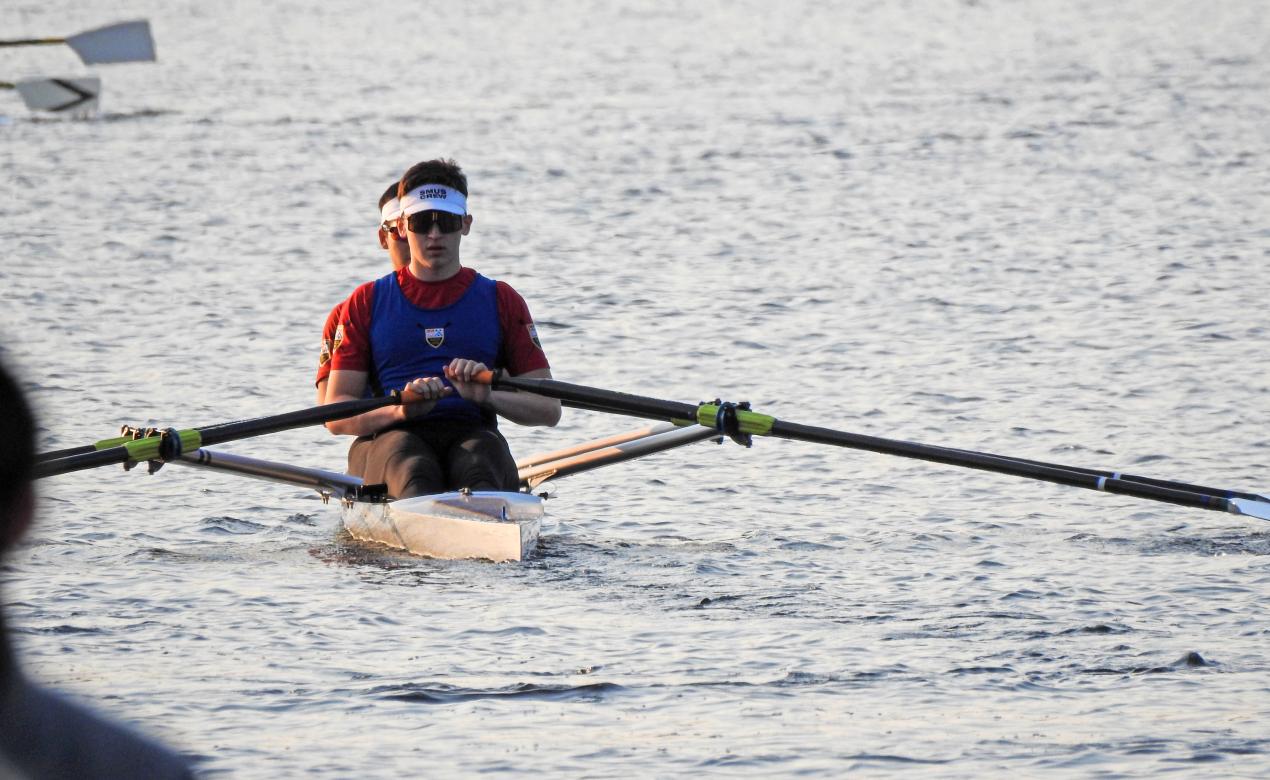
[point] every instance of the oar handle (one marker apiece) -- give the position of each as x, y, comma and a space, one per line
411, 397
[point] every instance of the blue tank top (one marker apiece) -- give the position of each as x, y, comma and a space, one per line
407, 342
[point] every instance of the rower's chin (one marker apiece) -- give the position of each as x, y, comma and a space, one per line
435, 267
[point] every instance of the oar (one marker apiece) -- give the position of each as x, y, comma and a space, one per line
740, 423
1164, 483
80, 450
67, 94
122, 42
171, 443
537, 469
592, 445
129, 434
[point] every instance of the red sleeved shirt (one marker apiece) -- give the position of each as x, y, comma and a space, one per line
332, 336
520, 350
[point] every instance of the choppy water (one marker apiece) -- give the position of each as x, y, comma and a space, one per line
1034, 228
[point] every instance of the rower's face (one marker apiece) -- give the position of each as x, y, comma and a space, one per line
398, 248
435, 249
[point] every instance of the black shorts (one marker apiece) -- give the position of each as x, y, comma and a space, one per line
434, 457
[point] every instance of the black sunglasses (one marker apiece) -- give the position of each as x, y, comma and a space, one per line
422, 221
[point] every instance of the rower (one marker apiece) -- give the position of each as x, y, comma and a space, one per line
42, 734
431, 327
391, 240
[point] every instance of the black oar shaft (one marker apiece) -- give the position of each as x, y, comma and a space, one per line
750, 422
260, 426
602, 400
32, 42
996, 463
125, 438
191, 439
66, 453
86, 460
1162, 483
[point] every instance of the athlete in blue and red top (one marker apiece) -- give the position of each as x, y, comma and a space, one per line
391, 240
430, 328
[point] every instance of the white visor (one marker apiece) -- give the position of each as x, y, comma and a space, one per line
433, 197
390, 211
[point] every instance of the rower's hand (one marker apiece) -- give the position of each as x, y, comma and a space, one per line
420, 395
460, 373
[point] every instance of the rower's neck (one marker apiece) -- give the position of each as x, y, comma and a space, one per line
429, 273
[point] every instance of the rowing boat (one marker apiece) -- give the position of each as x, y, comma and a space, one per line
490, 525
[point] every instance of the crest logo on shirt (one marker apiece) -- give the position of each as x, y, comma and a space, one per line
533, 335
434, 336
324, 356
339, 338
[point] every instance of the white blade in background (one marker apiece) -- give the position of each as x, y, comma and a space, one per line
123, 42
77, 95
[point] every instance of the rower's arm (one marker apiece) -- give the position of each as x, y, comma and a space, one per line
351, 386
526, 408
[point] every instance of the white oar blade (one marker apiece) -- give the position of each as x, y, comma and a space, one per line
1260, 509
123, 42
77, 95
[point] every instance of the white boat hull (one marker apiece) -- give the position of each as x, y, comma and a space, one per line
496, 526
483, 524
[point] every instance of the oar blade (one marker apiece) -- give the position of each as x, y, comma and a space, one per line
74, 96
1245, 506
122, 42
